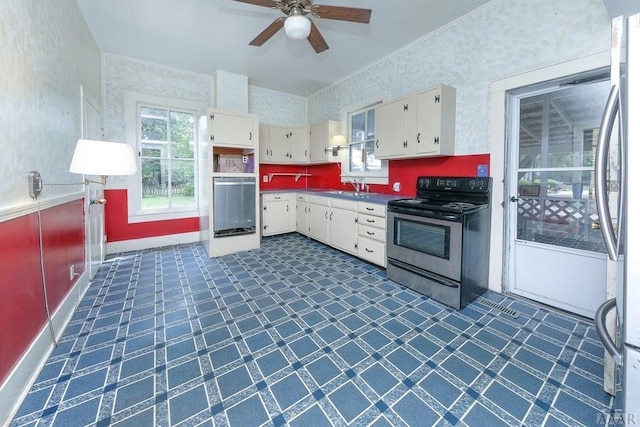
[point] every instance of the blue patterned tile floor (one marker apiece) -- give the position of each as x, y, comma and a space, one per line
300, 334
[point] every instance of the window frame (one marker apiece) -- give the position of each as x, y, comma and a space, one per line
133, 102
380, 177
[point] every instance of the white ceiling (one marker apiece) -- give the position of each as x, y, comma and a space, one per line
208, 35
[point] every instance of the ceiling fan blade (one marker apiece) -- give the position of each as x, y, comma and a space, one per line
265, 3
352, 14
318, 42
268, 32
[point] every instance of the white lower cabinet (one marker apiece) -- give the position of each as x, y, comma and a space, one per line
343, 225
302, 214
278, 213
319, 218
358, 228
372, 233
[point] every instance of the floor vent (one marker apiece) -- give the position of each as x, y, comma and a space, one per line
506, 310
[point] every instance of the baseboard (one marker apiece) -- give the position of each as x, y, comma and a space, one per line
24, 374
152, 242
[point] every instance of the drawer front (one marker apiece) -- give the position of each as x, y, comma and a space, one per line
378, 234
374, 209
275, 197
344, 204
302, 197
372, 251
372, 221
319, 200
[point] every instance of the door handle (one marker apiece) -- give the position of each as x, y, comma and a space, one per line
513, 199
601, 329
602, 148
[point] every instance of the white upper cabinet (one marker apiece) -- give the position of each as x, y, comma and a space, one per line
436, 123
320, 136
395, 128
418, 125
284, 144
229, 129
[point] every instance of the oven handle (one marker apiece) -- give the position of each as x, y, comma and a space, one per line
423, 273
425, 213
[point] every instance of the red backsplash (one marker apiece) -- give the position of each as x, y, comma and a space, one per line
327, 176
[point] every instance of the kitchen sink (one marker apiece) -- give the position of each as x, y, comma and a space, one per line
349, 193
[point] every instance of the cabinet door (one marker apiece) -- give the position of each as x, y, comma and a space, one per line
275, 217
232, 130
299, 143
435, 125
265, 145
343, 229
395, 126
302, 215
320, 138
279, 144
318, 222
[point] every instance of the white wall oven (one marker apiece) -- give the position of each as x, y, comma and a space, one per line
438, 242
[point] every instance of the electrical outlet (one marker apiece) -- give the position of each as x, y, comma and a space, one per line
72, 272
265, 178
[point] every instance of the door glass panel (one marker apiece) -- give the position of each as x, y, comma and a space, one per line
558, 132
430, 239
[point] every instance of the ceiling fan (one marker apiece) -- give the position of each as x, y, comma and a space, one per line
298, 26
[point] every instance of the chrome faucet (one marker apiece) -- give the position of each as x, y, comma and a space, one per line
359, 185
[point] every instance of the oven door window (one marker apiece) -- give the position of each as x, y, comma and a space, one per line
427, 238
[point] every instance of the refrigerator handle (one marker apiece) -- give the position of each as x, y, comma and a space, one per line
601, 329
602, 149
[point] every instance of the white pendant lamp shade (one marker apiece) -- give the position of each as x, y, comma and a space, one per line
103, 158
297, 27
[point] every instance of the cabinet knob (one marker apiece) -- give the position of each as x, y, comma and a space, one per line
436, 140
212, 138
406, 107
436, 99
418, 138
250, 136
211, 116
377, 145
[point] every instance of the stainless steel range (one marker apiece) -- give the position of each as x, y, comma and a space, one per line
438, 242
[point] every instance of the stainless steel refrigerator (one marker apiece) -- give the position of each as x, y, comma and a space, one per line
618, 197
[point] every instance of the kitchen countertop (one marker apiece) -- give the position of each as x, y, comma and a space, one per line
342, 194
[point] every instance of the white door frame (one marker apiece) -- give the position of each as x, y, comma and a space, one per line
500, 270
94, 213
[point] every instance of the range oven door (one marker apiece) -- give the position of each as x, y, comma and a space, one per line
430, 244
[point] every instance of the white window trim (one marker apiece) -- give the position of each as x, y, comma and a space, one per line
379, 177
134, 205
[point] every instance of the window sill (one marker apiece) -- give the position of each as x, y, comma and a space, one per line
162, 216
368, 179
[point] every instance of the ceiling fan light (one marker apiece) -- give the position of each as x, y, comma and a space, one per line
297, 27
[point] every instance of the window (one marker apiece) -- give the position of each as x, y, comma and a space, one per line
167, 158
362, 126
164, 133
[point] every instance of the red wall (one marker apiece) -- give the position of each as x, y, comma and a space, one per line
118, 228
327, 176
22, 306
